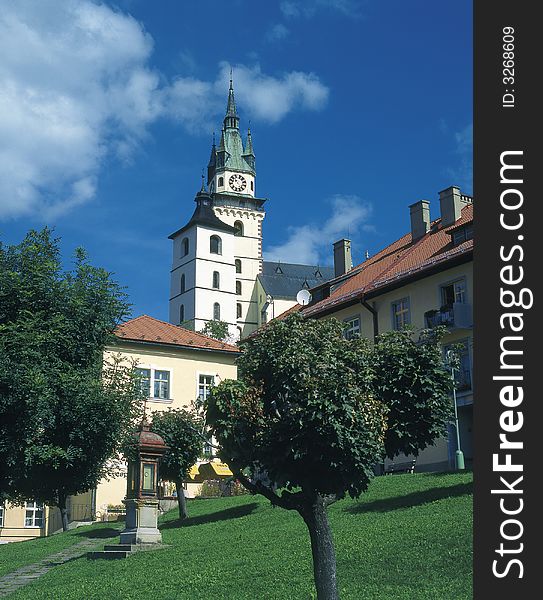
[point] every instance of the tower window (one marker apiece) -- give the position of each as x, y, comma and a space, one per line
216, 280
182, 286
238, 265
221, 181
185, 247
215, 244
238, 228
252, 186
181, 313
238, 311
238, 288
217, 311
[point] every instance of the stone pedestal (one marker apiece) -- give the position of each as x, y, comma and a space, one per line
141, 522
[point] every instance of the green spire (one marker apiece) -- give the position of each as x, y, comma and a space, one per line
249, 154
231, 119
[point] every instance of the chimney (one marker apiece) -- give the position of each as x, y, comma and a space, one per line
342, 257
451, 204
420, 219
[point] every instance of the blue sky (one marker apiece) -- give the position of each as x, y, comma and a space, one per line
357, 109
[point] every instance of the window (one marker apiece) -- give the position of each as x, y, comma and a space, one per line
400, 313
185, 247
252, 186
238, 311
162, 385
144, 376
238, 228
34, 514
182, 285
205, 383
238, 265
181, 313
217, 311
239, 332
221, 181
352, 329
462, 234
215, 244
216, 280
1, 515
238, 288
453, 292
462, 374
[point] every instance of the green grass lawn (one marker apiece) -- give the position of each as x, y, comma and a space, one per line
19, 554
408, 538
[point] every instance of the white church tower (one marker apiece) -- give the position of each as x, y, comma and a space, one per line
217, 255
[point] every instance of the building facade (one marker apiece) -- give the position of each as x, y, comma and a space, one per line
177, 369
424, 279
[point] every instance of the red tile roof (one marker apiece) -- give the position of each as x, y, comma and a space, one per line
150, 330
399, 261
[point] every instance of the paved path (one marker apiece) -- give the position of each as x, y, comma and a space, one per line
13, 581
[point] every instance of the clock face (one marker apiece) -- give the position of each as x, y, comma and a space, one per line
237, 182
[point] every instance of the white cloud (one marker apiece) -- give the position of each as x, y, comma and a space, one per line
76, 87
312, 243
72, 81
462, 174
308, 8
269, 98
277, 32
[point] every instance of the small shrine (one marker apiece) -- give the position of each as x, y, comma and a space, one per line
142, 489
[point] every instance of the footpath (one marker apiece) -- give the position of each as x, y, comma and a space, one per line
23, 576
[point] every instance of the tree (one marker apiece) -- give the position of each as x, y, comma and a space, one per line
312, 414
218, 330
63, 413
180, 429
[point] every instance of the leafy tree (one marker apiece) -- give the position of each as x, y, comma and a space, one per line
180, 429
217, 330
63, 413
312, 414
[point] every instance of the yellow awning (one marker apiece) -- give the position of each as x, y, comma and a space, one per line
215, 470
195, 475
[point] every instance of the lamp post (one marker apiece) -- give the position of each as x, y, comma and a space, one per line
459, 454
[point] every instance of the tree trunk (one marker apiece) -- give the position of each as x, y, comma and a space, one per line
322, 548
181, 500
63, 512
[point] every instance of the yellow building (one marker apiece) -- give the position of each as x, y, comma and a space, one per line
178, 366
423, 279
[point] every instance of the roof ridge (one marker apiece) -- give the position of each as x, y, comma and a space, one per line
197, 333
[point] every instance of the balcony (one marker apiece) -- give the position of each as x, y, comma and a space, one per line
454, 316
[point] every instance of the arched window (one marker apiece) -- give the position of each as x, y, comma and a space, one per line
182, 287
185, 247
181, 314
238, 265
238, 288
238, 228
239, 332
215, 244
238, 311
217, 311
221, 181
216, 280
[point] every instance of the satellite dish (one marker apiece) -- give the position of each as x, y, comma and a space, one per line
303, 297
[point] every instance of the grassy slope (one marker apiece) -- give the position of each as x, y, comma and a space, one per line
408, 538
15, 555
